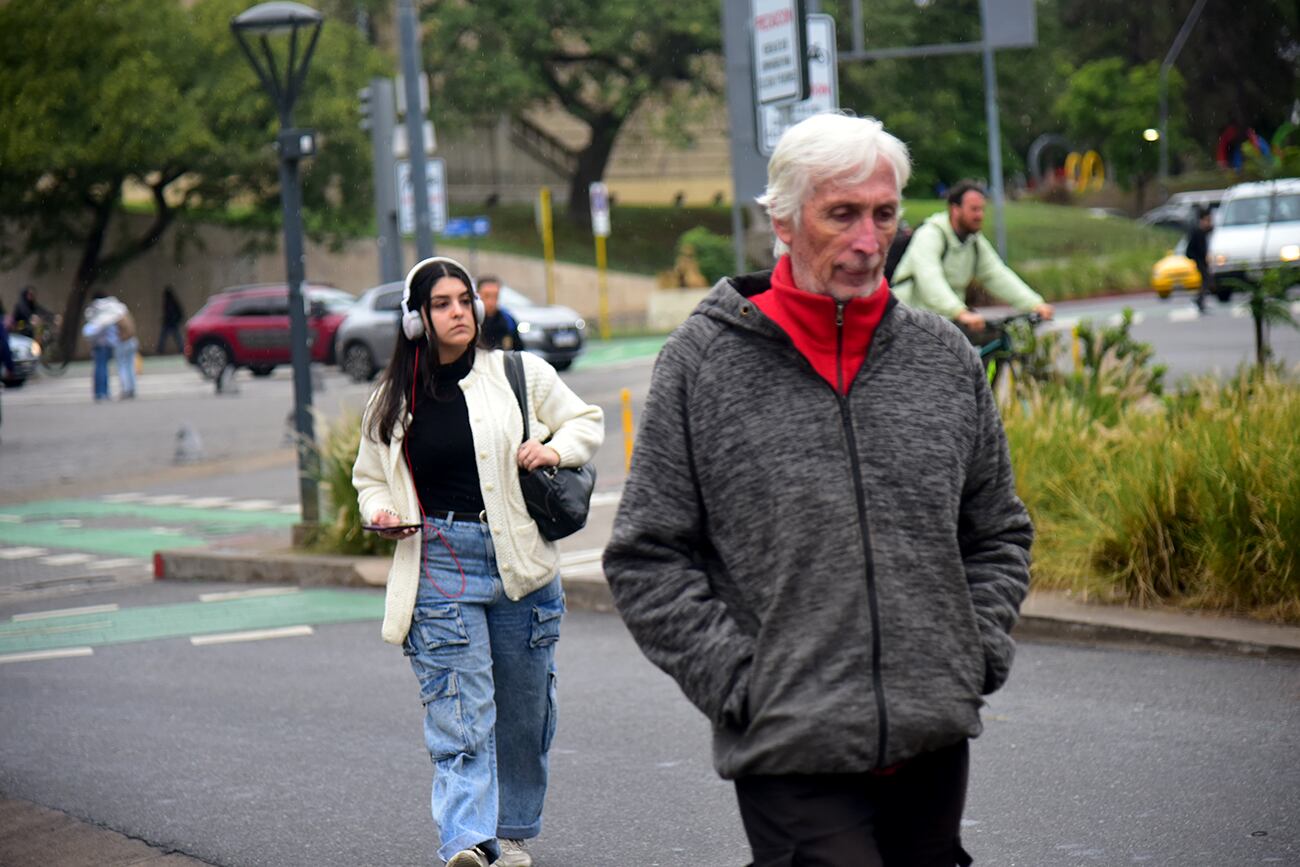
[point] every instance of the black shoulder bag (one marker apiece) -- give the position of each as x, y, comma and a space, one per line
558, 498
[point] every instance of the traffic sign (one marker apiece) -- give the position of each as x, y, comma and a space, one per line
437, 186
780, 66
467, 227
773, 121
599, 195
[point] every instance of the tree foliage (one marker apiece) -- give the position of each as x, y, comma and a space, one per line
1108, 104
598, 59
101, 98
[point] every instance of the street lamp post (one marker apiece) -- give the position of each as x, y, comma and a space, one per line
253, 30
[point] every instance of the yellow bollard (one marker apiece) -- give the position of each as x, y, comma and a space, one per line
626, 395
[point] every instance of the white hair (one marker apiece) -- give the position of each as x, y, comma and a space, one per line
826, 147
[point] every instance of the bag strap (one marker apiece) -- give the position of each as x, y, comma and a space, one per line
519, 385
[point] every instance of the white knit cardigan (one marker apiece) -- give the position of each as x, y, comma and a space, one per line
557, 416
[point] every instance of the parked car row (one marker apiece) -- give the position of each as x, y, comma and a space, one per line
248, 327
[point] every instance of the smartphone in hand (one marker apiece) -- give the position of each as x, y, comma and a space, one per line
380, 528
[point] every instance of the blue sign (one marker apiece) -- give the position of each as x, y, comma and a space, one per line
466, 227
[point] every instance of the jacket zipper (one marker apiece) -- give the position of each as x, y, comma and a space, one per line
873, 604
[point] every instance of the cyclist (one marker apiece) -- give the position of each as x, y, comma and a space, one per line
947, 254
28, 313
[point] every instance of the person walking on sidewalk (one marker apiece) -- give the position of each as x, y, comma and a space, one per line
172, 317
128, 345
1198, 250
474, 595
820, 538
101, 330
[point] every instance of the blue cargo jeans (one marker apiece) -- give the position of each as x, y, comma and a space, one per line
486, 667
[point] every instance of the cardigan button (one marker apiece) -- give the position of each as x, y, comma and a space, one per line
483, 455
488, 487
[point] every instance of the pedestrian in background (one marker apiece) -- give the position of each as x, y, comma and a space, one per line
172, 317
6, 355
101, 330
128, 345
820, 538
500, 330
474, 595
1198, 250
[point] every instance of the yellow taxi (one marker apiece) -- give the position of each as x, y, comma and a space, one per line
1175, 271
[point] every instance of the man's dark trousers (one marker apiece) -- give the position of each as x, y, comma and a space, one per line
908, 818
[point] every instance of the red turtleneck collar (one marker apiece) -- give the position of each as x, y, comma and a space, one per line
810, 320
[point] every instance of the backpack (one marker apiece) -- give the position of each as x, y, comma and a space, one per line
899, 247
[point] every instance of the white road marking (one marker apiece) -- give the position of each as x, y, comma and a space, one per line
11, 519
67, 559
253, 505
166, 531
206, 502
21, 553
70, 523
1063, 323
289, 510
119, 563
65, 612
247, 594
606, 498
126, 497
1240, 312
164, 500
251, 635
63, 653
574, 558
1184, 315
1117, 319
582, 569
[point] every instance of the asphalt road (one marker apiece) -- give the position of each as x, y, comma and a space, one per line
308, 751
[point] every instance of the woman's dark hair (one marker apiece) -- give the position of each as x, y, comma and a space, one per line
395, 383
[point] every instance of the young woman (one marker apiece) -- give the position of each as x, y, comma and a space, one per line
474, 595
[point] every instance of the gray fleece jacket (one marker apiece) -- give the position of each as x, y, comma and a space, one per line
830, 579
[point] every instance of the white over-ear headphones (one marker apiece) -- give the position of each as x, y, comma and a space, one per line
412, 323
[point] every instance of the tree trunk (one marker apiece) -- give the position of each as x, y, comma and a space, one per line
87, 270
1261, 339
591, 168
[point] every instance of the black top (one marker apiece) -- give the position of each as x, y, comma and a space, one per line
1198, 247
440, 446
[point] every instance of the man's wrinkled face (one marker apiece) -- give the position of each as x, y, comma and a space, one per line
844, 232
968, 217
490, 295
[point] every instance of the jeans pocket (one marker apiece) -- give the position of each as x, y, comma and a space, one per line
434, 627
546, 622
444, 723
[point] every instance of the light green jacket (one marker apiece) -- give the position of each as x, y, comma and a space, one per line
937, 269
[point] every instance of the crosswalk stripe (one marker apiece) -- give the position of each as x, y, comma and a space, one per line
11, 519
119, 563
64, 653
247, 594
1183, 315
21, 553
124, 497
163, 500
207, 502
253, 505
251, 635
67, 559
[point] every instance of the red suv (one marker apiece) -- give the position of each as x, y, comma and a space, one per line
248, 326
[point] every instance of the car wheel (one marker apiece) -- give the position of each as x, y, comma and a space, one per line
211, 359
358, 362
261, 369
1223, 293
562, 365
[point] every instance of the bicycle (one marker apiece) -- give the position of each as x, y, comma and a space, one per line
54, 361
997, 344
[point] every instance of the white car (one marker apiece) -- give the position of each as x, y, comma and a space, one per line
1257, 227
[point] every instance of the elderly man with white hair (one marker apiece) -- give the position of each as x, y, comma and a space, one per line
820, 538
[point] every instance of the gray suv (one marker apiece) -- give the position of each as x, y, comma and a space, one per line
365, 340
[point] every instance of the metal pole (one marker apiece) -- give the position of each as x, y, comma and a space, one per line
383, 116
1174, 50
995, 132
291, 202
411, 73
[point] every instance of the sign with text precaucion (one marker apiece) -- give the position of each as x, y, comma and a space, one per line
823, 81
780, 67
437, 185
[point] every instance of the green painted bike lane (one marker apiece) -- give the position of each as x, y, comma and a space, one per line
601, 352
182, 620
120, 531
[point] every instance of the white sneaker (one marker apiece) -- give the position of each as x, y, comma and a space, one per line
513, 854
468, 858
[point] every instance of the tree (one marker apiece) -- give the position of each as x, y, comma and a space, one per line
598, 59
1109, 105
144, 94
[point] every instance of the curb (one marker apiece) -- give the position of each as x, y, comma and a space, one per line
1046, 616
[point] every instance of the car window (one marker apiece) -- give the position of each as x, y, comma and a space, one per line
1286, 208
247, 307
1244, 212
276, 305
334, 300
512, 299
389, 301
